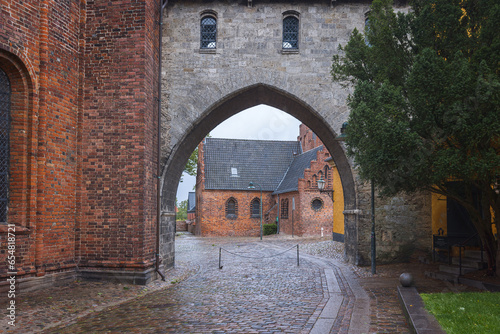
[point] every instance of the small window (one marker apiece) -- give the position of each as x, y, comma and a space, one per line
5, 96
231, 208
290, 32
255, 208
367, 28
317, 204
234, 172
208, 32
284, 208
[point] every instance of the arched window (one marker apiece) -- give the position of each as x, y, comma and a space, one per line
290, 32
5, 93
208, 29
255, 208
231, 208
284, 208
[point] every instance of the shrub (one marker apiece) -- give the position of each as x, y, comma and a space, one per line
270, 229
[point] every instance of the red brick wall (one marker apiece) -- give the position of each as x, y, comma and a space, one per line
306, 220
313, 220
84, 119
118, 155
308, 139
39, 44
213, 220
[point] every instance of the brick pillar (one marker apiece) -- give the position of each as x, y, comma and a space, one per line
118, 151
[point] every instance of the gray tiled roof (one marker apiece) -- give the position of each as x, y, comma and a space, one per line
232, 163
296, 171
191, 202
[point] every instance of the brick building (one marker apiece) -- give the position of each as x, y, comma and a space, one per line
78, 81
283, 170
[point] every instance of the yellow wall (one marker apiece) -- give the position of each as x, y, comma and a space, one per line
439, 214
338, 203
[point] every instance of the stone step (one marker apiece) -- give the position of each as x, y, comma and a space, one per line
442, 276
452, 269
470, 263
475, 254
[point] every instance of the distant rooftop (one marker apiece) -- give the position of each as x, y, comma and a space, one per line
231, 164
295, 172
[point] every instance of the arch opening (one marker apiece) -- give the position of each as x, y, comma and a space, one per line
174, 162
248, 97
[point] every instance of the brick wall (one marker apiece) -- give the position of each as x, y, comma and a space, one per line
308, 139
306, 219
39, 44
212, 215
118, 192
84, 119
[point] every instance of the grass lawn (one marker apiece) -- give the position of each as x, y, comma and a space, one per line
468, 312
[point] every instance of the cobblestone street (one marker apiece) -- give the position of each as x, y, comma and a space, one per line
254, 292
260, 289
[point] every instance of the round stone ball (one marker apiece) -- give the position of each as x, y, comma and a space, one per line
406, 279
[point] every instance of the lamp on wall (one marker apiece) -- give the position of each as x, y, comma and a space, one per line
321, 187
251, 186
342, 135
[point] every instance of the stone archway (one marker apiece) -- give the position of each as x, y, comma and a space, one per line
228, 106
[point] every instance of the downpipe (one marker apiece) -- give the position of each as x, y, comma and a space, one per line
162, 6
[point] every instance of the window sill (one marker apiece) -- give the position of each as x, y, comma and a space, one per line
255, 216
290, 51
208, 51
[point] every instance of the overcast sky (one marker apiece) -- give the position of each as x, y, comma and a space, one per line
258, 123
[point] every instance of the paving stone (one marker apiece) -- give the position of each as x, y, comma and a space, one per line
252, 294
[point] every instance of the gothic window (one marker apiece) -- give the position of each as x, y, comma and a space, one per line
5, 93
367, 28
255, 208
290, 32
231, 208
317, 204
208, 32
284, 208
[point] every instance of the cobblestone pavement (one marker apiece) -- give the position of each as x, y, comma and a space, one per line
260, 289
248, 295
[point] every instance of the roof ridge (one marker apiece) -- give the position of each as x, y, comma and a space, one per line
256, 140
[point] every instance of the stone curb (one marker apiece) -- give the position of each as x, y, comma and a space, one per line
419, 320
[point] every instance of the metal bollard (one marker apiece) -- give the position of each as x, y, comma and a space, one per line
220, 257
298, 255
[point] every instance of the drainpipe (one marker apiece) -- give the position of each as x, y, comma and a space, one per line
162, 6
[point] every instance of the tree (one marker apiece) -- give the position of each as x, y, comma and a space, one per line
192, 164
425, 104
182, 210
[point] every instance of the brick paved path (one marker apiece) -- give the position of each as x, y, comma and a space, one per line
261, 294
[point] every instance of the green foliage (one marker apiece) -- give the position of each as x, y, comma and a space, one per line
465, 313
182, 210
425, 106
268, 229
192, 164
